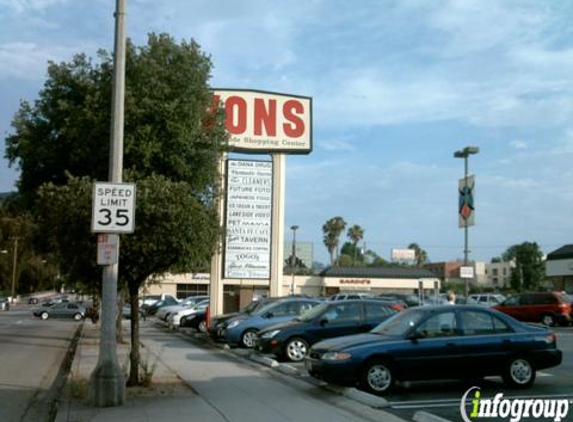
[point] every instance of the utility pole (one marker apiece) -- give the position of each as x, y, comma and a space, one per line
465, 153
293, 258
107, 386
14, 264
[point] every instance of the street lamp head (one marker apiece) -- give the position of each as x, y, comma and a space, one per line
466, 152
294, 228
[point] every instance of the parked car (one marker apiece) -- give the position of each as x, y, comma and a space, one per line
61, 310
242, 329
152, 309
549, 308
196, 320
174, 318
292, 339
4, 304
33, 300
218, 323
350, 296
433, 343
486, 299
163, 312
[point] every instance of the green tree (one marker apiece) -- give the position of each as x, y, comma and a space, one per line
421, 254
372, 259
354, 252
332, 230
172, 143
529, 270
355, 234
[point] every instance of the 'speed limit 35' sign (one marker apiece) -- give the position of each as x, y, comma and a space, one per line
113, 208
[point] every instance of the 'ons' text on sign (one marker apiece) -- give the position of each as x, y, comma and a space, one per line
266, 122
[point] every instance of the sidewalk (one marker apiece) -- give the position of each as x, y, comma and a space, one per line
197, 382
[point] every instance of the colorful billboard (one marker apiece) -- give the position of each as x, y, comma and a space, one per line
466, 207
266, 122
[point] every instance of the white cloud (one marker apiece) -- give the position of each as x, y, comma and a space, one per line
25, 6
518, 144
336, 145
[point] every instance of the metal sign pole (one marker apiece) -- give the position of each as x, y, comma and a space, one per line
107, 387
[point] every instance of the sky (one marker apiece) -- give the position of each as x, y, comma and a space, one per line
397, 87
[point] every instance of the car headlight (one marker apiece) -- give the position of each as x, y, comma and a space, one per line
270, 334
336, 356
233, 324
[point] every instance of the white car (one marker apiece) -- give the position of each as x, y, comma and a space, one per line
174, 319
164, 312
486, 299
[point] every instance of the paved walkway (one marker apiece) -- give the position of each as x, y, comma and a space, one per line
193, 381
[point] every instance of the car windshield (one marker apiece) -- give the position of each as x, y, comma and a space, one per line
399, 324
252, 306
312, 313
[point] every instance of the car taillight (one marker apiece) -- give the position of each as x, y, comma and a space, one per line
551, 338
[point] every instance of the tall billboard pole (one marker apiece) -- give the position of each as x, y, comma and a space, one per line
107, 386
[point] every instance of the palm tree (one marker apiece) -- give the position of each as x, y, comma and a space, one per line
421, 255
332, 230
355, 234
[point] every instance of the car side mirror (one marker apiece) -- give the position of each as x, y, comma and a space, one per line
268, 315
323, 322
417, 335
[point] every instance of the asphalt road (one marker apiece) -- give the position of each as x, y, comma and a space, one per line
31, 354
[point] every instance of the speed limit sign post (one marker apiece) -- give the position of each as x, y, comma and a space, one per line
113, 207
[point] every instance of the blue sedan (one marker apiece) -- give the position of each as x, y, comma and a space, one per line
439, 342
242, 329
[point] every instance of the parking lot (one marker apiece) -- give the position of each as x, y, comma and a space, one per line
440, 398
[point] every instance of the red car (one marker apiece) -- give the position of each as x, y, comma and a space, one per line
549, 308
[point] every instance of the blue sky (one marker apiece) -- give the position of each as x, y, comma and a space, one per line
397, 87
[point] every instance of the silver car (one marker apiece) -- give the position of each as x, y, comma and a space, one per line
62, 310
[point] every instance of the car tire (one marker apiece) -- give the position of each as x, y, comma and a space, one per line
248, 338
44, 315
202, 327
78, 317
296, 349
548, 319
519, 373
378, 377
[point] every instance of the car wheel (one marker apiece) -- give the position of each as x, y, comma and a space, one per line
548, 319
44, 315
78, 317
296, 349
378, 377
203, 326
248, 338
519, 373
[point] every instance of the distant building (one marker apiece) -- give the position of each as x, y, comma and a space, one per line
449, 272
499, 274
559, 268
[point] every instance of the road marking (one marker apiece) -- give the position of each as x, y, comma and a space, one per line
544, 374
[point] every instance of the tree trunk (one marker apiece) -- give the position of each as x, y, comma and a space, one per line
134, 355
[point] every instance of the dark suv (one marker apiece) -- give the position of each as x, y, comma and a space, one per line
549, 308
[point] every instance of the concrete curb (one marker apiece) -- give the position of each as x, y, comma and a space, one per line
288, 369
263, 360
422, 416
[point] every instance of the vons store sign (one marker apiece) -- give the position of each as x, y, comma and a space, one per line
261, 122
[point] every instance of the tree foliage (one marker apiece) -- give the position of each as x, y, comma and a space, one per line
332, 230
172, 143
529, 270
421, 254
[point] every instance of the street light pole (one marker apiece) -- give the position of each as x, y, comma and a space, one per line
293, 258
107, 387
465, 153
14, 263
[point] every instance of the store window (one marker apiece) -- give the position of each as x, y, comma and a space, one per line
186, 290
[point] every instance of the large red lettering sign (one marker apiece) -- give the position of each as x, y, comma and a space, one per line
266, 122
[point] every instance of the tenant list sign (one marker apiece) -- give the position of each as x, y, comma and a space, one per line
248, 219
